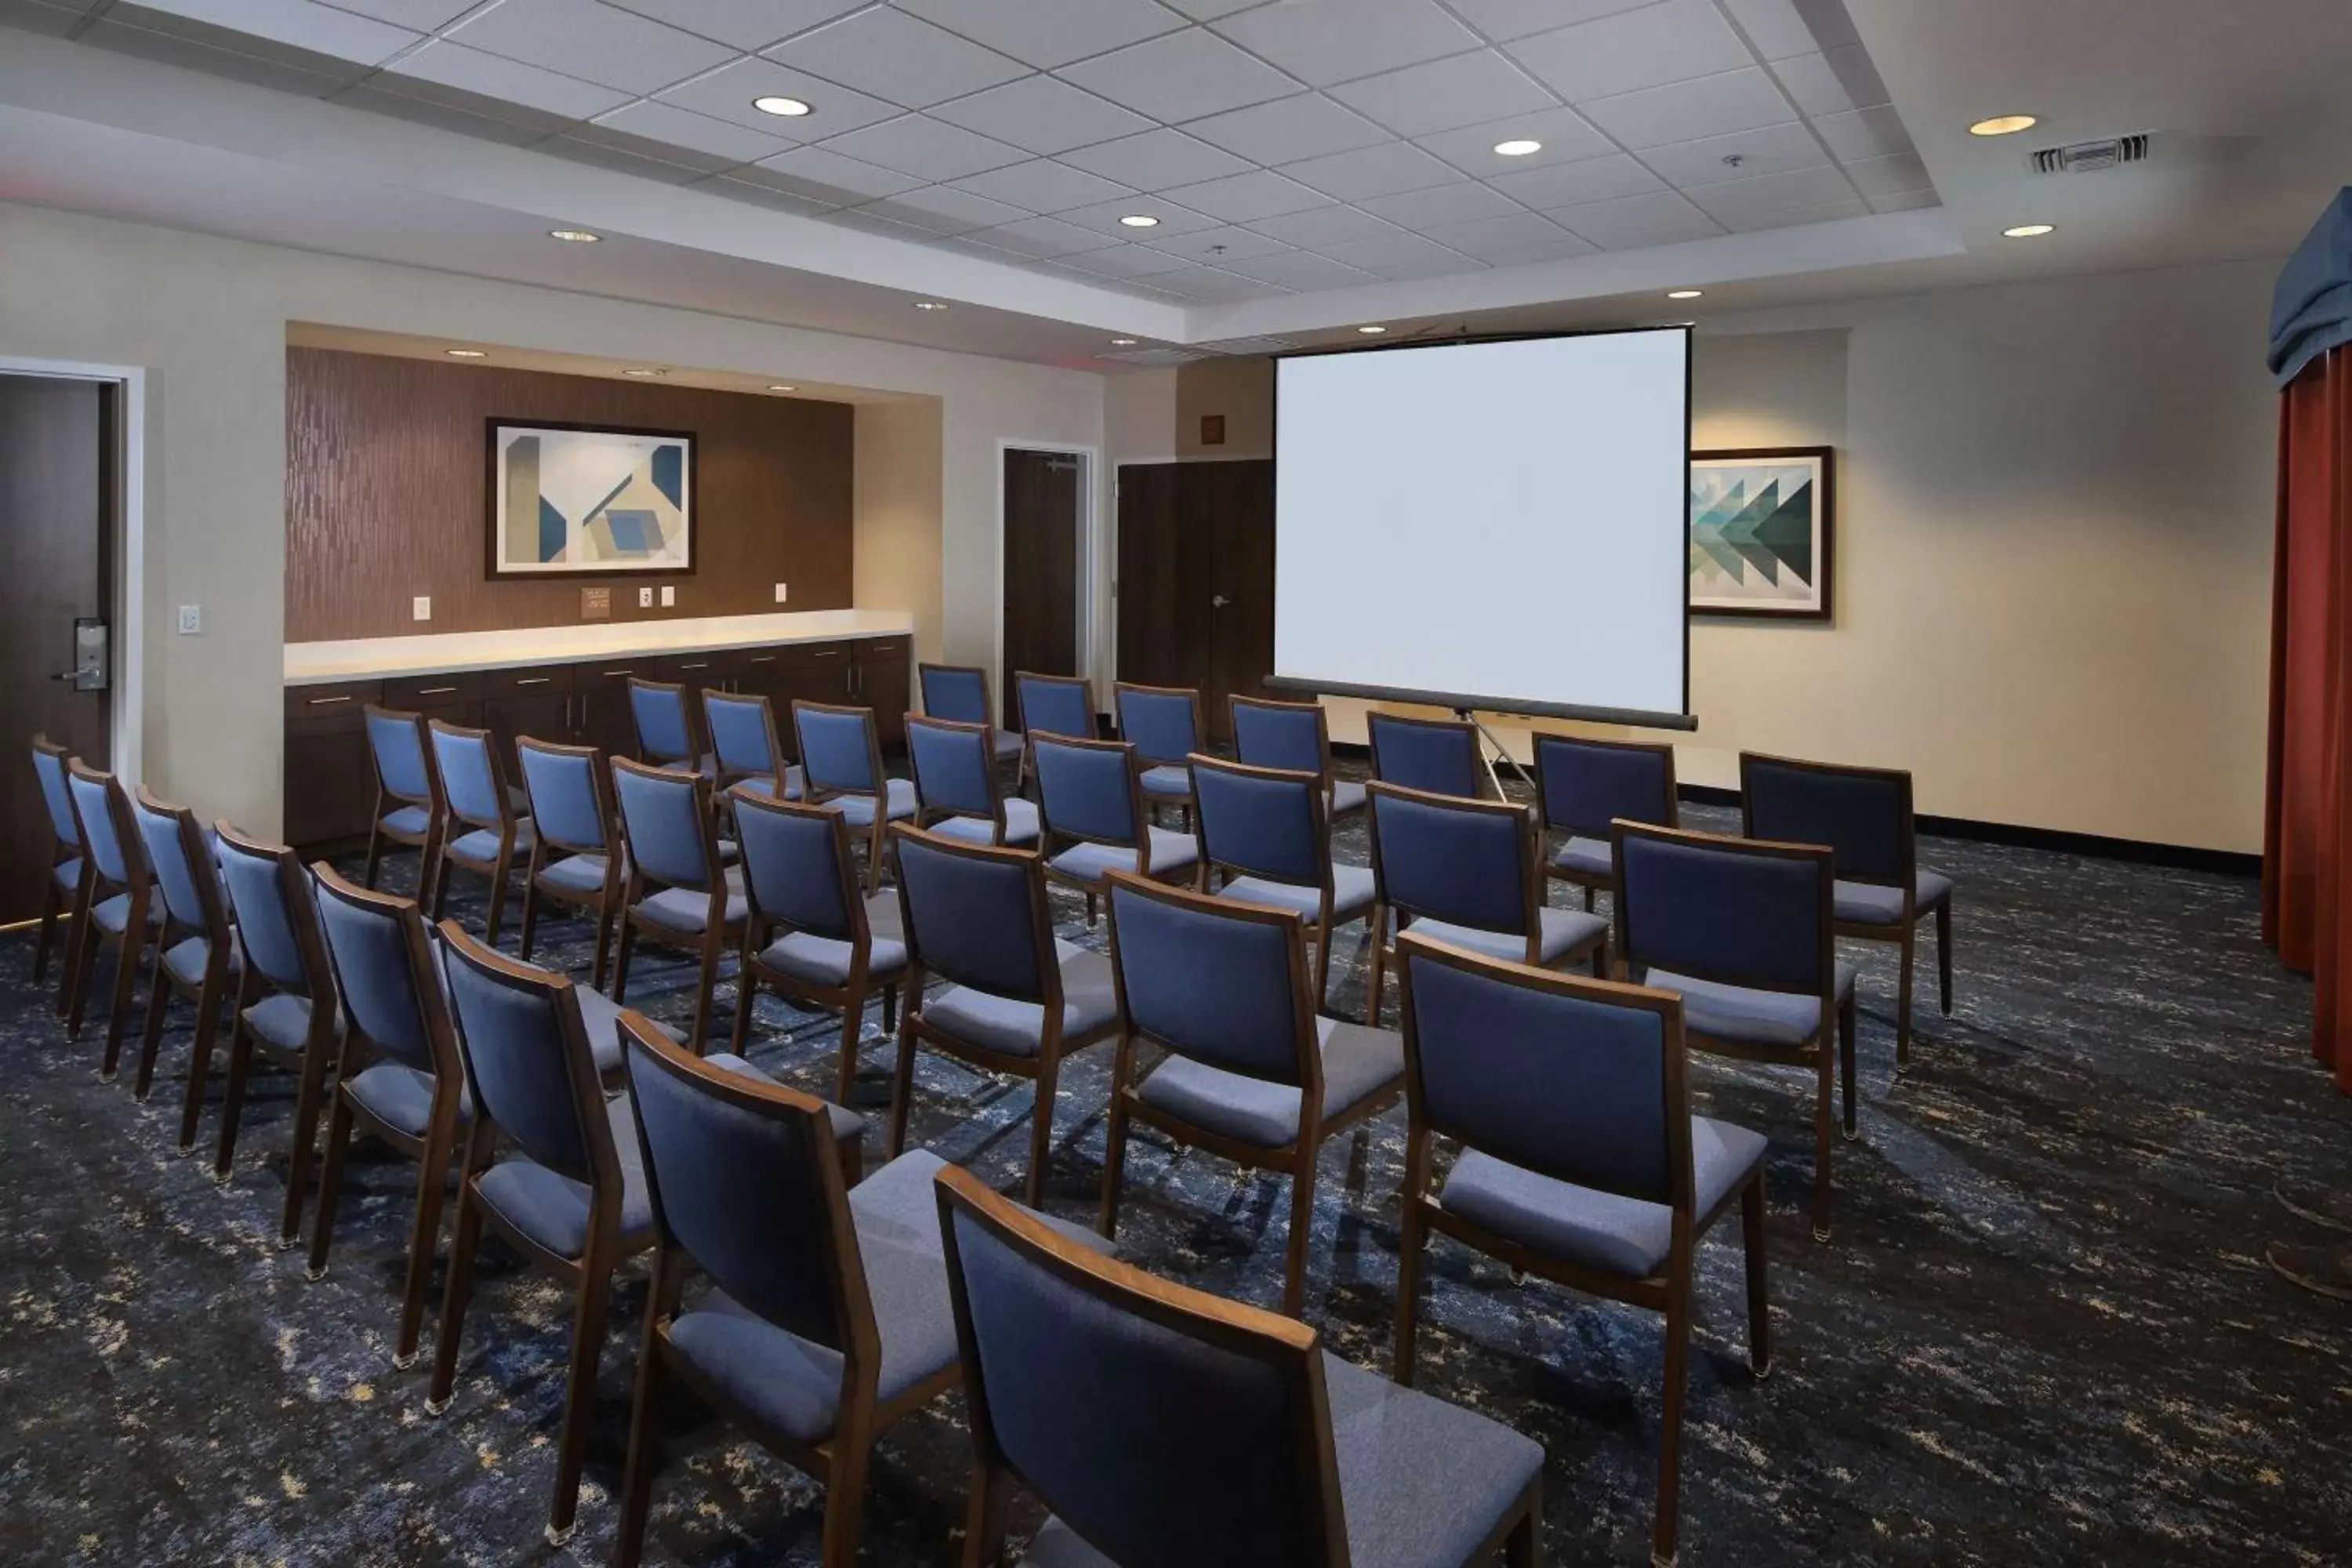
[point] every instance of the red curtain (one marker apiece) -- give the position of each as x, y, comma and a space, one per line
2307, 840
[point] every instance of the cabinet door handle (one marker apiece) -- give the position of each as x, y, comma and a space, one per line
826, 653
703, 665
323, 701
611, 672
525, 681
434, 691
763, 658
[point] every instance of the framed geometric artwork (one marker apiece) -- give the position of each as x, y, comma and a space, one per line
585, 500
1761, 532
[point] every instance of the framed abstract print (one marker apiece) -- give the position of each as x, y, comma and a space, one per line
579, 500
1761, 543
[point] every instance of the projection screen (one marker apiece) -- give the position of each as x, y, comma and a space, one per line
1497, 525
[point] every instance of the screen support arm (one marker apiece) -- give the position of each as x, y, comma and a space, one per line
1471, 719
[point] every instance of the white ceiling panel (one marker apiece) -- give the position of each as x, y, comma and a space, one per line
1157, 160
1325, 42
942, 211
1104, 217
425, 103
1909, 200
1487, 237
896, 57
653, 120
1832, 83
1044, 237
754, 185
1541, 250
1400, 255
1711, 106
299, 24
1864, 133
1210, 10
1618, 216
1697, 226
493, 76
1565, 185
726, 94
1501, 20
1129, 262
1240, 198
1301, 269
1213, 286
678, 168
918, 144
1774, 149
1768, 193
1780, 28
1899, 175
1183, 76
1466, 89
1793, 217
1671, 41
1464, 201
425, 16
828, 177
1319, 229
1306, 125
1049, 33
1041, 185
1218, 246
1042, 115
596, 43
1381, 170
1566, 139
743, 24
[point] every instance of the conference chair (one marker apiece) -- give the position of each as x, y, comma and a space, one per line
1864, 815
679, 891
1052, 705
743, 739
119, 905
407, 796
1089, 795
1165, 1426
398, 1076
61, 893
1265, 830
1296, 736
287, 1010
577, 857
959, 694
666, 729
1163, 725
1436, 756
1579, 1160
957, 789
1584, 786
1743, 931
484, 825
1468, 872
807, 934
841, 753
1016, 1000
197, 953
1251, 1071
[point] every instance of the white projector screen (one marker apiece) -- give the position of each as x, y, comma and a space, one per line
1496, 526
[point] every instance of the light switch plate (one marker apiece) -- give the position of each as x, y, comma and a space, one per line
645, 598
669, 594
192, 619
420, 608
779, 593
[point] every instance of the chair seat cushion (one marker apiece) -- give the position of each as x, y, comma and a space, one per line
552, 1209
1564, 931
1168, 781
1358, 1062
1870, 904
1013, 1028
281, 1019
847, 1126
1352, 892
684, 909
482, 844
600, 1018
899, 804
824, 960
796, 784
401, 1097
1586, 857
412, 820
187, 957
578, 873
1746, 1015
1020, 826
112, 914
1010, 743
1171, 851
66, 874
1347, 795
1605, 1231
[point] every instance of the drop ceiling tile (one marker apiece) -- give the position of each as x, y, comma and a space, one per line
239, 57
1601, 221
943, 211
1565, 185
1240, 198
828, 177
1440, 263
46, 18
649, 119
592, 42
1864, 133
1301, 269
1542, 251
680, 169
1501, 20
896, 57
1103, 217
874, 222
1044, 237
1156, 160
296, 24
918, 144
741, 24
726, 94
1049, 33
1210, 10
1767, 193
444, 108
1908, 201
1308, 125
1322, 44
1381, 170
1672, 41
1793, 217
1397, 254
1461, 202
1565, 136
1320, 228
425, 16
1486, 236
1688, 229
1211, 285
1129, 262
1780, 28
751, 186
1775, 150
1218, 246
491, 76
1042, 115
1183, 76
1899, 175
1440, 95
1043, 185
1832, 83
1685, 111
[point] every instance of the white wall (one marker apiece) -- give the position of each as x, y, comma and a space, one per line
898, 543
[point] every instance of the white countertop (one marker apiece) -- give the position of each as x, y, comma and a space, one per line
441, 653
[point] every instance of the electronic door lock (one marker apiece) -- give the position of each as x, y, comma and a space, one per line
89, 670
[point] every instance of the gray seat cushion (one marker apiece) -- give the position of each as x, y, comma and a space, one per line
401, 1097
282, 1019
1744, 1014
796, 784
1010, 743
409, 819
1347, 795
1605, 1231
857, 810
1358, 1062
1586, 857
66, 875
187, 958
482, 844
111, 915
1169, 781
1869, 904
822, 960
1011, 1029
1564, 932
600, 1015
684, 909
1171, 851
578, 873
551, 1209
847, 1126
1020, 826
1352, 892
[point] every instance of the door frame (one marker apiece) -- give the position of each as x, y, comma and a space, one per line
1088, 522
127, 693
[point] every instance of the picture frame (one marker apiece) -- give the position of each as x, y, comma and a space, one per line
572, 501
1763, 532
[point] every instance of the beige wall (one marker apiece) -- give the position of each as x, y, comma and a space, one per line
898, 511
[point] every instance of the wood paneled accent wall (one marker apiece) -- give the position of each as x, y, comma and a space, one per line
384, 488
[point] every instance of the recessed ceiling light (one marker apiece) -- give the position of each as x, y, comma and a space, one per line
644, 373
929, 305
467, 353
1372, 332
2027, 230
1518, 149
573, 235
783, 389
789, 108
1122, 342
2003, 125
1685, 293
1141, 220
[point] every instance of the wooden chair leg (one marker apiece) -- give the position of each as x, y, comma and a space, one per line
1759, 1306
127, 954
621, 959
1822, 1138
889, 1009
151, 1039
1114, 1152
1090, 911
1845, 1061
1903, 998
747, 991
531, 919
79, 964
1040, 1130
1669, 1418
845, 1494
874, 850
1588, 898
1322, 970
376, 846
985, 1517
309, 1086
200, 1060
240, 1062
644, 1448
1373, 980
705, 983
456, 1294
1523, 1548
603, 945
1601, 960
48, 932
1302, 1227
902, 1084
853, 1024
1414, 1238
498, 903
1944, 954
580, 1395
432, 1176
331, 1183
438, 881
79, 938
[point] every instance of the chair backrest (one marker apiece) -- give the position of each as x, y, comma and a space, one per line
1088, 789
50, 767
1222, 983
1436, 755
1162, 722
1864, 815
976, 915
107, 832
276, 919
665, 733
665, 816
473, 787
745, 1180
954, 692
1466, 862
571, 799
797, 865
1581, 1080
1262, 822
954, 767
403, 770
840, 752
182, 864
1169, 1427
744, 736
1270, 734
1585, 785
1738, 910
381, 959
1054, 705
529, 1061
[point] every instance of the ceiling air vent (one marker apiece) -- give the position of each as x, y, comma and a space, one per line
2089, 157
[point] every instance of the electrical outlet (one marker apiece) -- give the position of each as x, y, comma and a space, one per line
779, 593
192, 619
645, 598
669, 594
420, 608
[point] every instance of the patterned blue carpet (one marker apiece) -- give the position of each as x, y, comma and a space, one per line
2042, 1333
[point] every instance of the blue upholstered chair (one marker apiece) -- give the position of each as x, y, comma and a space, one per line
288, 1009
1744, 932
808, 936
1163, 725
743, 739
680, 892
1264, 829
1091, 817
1468, 872
1252, 1071
1436, 756
957, 791
120, 907
665, 725
398, 1074
1060, 705
569, 1197
61, 893
1296, 736
841, 753
1165, 1427
197, 955
1864, 815
1016, 1000
1580, 1161
407, 794
959, 694
1585, 785
484, 831
577, 857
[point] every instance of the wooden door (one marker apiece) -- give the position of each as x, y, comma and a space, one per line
57, 519
1042, 499
1196, 579
1240, 520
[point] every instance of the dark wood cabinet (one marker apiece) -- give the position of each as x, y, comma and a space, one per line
330, 778
881, 683
535, 701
